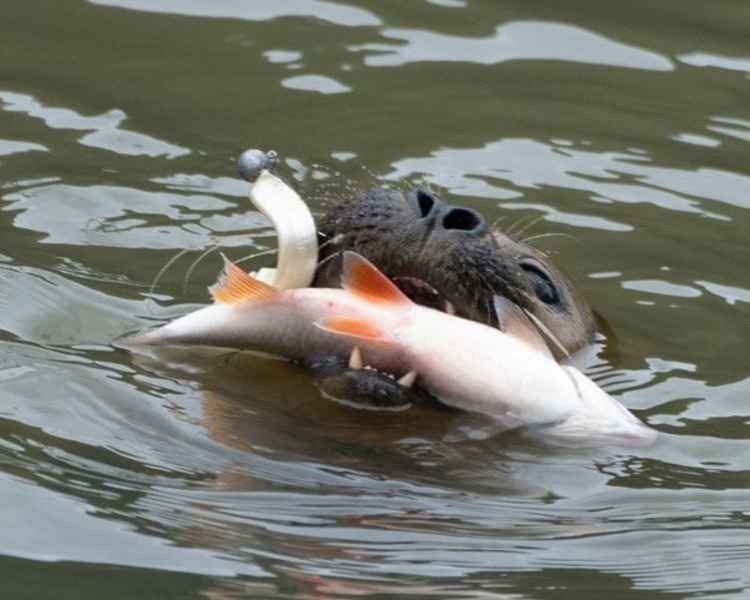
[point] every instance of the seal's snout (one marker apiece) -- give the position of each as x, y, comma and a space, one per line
439, 217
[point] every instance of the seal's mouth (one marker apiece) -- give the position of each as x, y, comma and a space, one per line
425, 294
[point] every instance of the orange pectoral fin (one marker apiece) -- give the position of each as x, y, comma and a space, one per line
352, 327
235, 286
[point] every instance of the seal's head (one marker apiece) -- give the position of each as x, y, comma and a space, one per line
447, 257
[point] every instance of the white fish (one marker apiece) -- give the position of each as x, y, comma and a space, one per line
509, 375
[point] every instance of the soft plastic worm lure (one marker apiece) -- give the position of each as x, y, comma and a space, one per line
290, 216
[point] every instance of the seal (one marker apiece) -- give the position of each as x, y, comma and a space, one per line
447, 257
442, 256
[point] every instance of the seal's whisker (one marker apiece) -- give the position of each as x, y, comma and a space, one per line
497, 221
191, 268
545, 235
327, 258
518, 223
509, 231
255, 255
546, 332
530, 224
334, 240
164, 269
478, 299
491, 315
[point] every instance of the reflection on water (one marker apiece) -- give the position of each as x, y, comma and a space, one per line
315, 83
109, 216
512, 41
619, 149
628, 177
336, 13
105, 130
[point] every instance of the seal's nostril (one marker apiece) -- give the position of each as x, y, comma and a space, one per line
463, 219
426, 202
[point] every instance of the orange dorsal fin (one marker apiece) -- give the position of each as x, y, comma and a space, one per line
362, 278
353, 327
235, 286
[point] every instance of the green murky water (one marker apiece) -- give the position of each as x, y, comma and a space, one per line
624, 126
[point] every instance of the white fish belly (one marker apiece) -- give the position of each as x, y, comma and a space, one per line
480, 369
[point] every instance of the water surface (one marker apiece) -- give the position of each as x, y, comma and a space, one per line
190, 473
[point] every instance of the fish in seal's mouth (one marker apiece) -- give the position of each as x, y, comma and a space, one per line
441, 256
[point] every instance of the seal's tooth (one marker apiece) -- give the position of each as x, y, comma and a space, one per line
449, 308
355, 360
408, 379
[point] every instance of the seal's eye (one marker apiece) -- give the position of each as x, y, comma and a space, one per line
541, 282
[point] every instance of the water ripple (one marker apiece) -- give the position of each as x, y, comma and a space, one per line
333, 12
513, 41
105, 131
